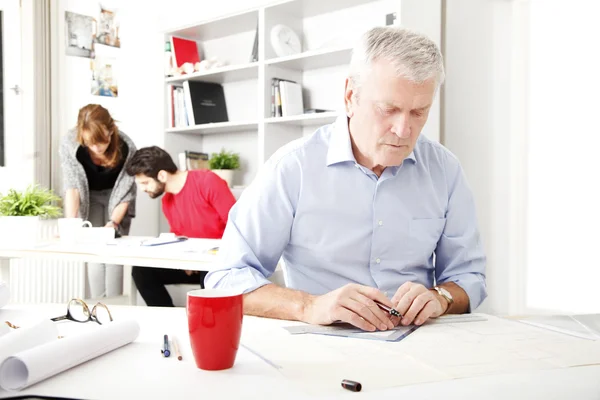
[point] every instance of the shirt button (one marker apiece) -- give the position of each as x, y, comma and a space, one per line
380, 222
377, 260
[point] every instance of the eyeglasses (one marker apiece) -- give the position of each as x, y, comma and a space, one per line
79, 311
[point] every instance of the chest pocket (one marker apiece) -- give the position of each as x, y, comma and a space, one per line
424, 234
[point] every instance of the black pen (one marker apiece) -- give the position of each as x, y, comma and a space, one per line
392, 311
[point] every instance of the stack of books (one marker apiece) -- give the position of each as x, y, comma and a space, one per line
190, 160
286, 98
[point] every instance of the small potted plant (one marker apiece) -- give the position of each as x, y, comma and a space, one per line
22, 214
223, 164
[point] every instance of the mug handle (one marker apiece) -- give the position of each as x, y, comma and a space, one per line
86, 224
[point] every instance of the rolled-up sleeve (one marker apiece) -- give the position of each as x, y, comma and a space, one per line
258, 228
460, 256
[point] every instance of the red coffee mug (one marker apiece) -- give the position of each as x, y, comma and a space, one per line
215, 326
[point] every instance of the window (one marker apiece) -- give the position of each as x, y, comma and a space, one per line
563, 212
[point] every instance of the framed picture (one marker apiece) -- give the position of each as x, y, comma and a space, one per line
108, 28
105, 72
79, 35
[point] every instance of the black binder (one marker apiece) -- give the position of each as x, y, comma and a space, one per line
207, 101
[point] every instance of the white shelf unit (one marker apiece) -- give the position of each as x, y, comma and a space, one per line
328, 30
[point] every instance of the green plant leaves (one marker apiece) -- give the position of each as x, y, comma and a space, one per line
224, 160
32, 202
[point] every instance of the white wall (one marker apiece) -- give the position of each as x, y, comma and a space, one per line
139, 104
563, 196
480, 125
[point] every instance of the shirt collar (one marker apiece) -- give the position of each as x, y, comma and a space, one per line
340, 147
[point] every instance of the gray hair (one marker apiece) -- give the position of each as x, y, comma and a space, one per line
415, 56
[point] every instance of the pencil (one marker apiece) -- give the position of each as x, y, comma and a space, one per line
176, 346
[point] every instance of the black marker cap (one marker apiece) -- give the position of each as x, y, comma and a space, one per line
351, 385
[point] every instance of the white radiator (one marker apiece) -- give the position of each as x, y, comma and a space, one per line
46, 281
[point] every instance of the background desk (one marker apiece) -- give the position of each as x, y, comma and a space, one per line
175, 256
139, 371
188, 255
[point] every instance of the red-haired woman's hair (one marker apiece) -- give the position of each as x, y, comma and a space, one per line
96, 126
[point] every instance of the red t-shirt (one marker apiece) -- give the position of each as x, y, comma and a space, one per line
201, 208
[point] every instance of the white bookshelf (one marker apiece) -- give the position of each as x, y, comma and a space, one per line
303, 120
226, 74
328, 30
217, 127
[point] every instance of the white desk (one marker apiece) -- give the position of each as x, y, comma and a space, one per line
139, 371
189, 255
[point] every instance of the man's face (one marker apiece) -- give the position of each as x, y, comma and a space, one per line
149, 185
387, 116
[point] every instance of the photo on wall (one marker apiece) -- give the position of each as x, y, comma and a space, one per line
79, 35
105, 71
108, 28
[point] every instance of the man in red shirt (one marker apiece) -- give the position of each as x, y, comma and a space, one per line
196, 203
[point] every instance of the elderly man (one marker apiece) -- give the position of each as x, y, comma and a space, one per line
364, 208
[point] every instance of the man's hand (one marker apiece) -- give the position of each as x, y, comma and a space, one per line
417, 304
353, 304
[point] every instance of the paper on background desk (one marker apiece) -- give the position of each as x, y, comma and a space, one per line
25, 368
434, 352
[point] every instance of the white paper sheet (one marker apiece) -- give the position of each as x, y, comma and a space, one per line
434, 352
346, 330
4, 294
26, 338
36, 364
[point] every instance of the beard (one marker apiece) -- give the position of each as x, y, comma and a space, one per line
159, 191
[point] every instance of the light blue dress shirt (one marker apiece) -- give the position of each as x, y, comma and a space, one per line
335, 222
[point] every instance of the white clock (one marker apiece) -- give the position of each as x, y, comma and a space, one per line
285, 41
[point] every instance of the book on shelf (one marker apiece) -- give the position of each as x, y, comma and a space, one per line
286, 98
184, 50
254, 55
177, 113
190, 160
204, 102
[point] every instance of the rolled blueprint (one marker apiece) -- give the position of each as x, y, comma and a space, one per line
18, 340
34, 365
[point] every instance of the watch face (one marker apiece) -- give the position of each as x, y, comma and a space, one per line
446, 293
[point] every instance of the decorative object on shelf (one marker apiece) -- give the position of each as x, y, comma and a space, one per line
169, 63
224, 164
80, 37
204, 65
285, 41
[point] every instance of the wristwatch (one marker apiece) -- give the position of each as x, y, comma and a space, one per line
445, 294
